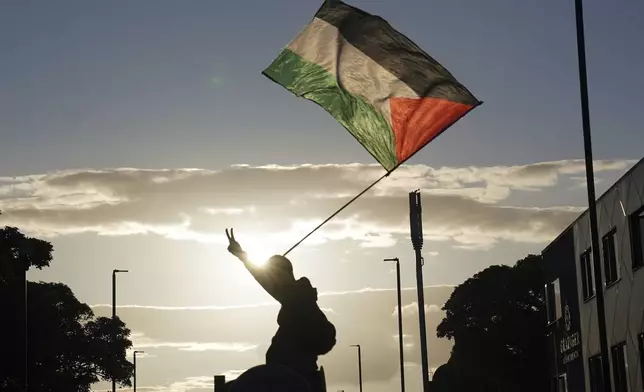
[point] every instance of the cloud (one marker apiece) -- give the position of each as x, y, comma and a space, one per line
407, 340
233, 374
366, 290
159, 307
184, 342
191, 383
412, 309
141, 341
129, 354
275, 205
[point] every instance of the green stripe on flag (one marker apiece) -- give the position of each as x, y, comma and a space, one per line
311, 81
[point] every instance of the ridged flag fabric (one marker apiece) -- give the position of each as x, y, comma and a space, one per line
386, 91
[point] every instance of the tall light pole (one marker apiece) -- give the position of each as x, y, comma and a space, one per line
590, 187
25, 328
416, 229
400, 325
136, 352
359, 364
113, 350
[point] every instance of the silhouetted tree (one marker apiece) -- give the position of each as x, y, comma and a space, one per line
497, 321
69, 348
18, 253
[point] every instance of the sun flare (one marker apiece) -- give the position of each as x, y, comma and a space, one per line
258, 254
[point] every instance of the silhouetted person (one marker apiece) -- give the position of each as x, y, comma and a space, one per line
304, 332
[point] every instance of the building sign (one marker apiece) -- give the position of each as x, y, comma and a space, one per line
571, 341
566, 350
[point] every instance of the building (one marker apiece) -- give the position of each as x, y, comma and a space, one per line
573, 337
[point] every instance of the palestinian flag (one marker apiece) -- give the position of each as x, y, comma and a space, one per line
388, 93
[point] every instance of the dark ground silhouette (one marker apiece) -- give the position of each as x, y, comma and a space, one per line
69, 348
497, 319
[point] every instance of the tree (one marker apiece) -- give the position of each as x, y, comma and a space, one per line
497, 320
69, 348
18, 253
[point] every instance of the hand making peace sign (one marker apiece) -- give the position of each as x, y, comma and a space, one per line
233, 245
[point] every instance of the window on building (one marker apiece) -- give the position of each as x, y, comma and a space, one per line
596, 375
620, 367
637, 238
553, 301
587, 283
609, 251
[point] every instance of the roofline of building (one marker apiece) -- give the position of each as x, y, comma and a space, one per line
599, 199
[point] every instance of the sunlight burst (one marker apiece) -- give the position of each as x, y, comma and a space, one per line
258, 254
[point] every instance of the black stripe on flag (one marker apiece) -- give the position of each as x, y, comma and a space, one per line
374, 37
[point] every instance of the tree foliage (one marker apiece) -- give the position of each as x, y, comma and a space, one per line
69, 348
18, 253
497, 321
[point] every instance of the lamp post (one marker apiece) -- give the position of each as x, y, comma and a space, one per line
416, 230
400, 324
136, 352
113, 351
359, 364
590, 188
24, 330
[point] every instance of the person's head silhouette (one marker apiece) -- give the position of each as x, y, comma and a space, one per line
282, 267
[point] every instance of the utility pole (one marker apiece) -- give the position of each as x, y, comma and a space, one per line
24, 317
400, 325
590, 186
136, 352
416, 228
359, 364
113, 350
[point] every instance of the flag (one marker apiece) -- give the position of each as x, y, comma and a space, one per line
386, 91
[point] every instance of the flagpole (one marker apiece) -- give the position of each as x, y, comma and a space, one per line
590, 185
479, 103
339, 211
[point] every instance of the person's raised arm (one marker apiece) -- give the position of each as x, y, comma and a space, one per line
260, 275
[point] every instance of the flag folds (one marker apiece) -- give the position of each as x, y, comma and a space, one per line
388, 93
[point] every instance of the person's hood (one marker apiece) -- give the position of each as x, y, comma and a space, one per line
306, 290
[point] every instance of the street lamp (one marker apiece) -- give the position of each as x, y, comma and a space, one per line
416, 230
25, 328
114, 272
136, 352
359, 364
400, 325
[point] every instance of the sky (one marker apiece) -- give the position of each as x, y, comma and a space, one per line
133, 133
